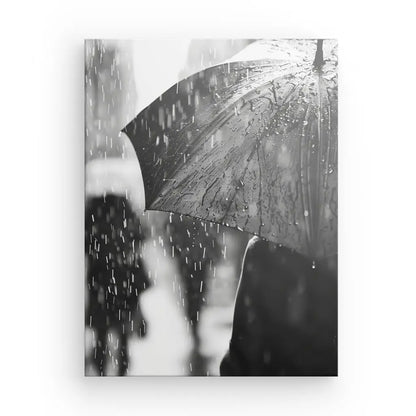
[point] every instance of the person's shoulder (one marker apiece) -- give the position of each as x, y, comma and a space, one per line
258, 244
256, 249
264, 253
255, 242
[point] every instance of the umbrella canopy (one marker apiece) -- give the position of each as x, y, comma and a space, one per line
250, 144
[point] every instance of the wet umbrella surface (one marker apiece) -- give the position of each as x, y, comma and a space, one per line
250, 144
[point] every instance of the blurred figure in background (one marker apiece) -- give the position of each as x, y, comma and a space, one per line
115, 277
285, 316
196, 248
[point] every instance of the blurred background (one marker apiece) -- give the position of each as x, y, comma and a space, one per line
160, 287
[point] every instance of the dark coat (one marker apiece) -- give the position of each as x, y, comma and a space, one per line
196, 247
115, 273
285, 318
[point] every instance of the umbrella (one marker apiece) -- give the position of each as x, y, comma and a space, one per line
250, 144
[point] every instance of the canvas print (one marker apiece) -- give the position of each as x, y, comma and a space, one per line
211, 207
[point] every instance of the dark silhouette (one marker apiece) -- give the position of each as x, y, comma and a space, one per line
115, 276
285, 317
196, 248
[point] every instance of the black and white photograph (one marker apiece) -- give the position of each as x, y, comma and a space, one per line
207, 208
211, 216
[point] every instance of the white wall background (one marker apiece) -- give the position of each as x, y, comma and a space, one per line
41, 98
